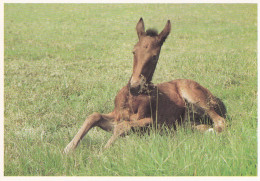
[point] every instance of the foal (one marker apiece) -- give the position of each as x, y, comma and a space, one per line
141, 104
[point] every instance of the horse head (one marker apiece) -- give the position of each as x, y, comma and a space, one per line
146, 54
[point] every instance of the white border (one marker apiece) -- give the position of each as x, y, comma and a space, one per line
131, 1
193, 178
1, 90
103, 178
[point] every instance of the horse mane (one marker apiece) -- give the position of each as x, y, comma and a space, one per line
151, 32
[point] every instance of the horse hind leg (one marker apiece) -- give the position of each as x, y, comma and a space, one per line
201, 97
202, 121
196, 118
220, 108
104, 121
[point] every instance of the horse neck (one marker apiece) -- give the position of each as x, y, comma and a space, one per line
149, 88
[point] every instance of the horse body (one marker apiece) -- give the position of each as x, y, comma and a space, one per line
140, 103
165, 103
161, 102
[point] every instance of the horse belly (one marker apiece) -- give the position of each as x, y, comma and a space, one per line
170, 107
169, 113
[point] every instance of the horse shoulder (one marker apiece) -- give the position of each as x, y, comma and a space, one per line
170, 91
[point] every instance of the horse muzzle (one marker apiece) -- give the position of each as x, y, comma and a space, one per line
136, 86
135, 90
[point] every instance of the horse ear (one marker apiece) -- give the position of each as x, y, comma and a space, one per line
165, 32
140, 28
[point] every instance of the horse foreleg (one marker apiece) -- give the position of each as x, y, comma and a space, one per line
105, 121
125, 126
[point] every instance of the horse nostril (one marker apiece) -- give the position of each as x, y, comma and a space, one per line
134, 90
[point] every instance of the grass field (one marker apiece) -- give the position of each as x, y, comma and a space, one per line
64, 61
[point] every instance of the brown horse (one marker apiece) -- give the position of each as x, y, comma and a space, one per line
141, 104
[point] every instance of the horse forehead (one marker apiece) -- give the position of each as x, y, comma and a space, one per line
148, 41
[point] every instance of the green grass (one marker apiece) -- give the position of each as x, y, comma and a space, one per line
64, 61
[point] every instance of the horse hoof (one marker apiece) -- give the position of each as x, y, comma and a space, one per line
210, 130
68, 149
219, 129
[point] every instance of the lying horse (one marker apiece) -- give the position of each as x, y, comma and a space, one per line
141, 104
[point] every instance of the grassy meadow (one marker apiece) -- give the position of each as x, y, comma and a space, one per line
63, 62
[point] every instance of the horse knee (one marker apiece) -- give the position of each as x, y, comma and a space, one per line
122, 128
95, 116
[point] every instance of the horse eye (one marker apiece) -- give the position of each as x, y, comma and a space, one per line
133, 52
